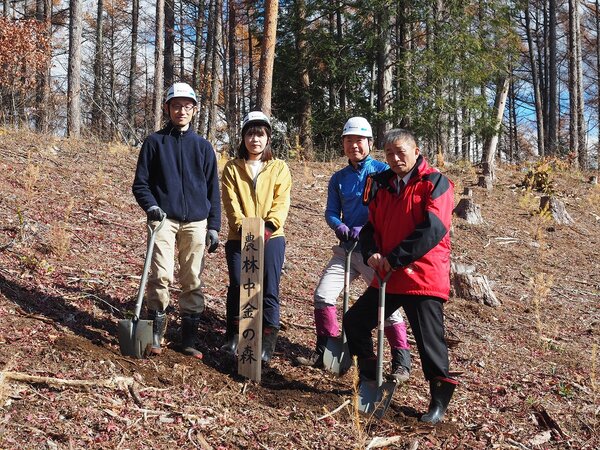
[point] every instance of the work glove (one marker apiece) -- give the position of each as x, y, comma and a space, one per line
155, 214
212, 240
342, 231
354, 232
268, 232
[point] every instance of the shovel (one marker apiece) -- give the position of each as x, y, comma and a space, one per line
135, 335
374, 396
336, 357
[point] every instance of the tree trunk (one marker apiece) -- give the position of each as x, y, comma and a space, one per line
267, 57
74, 70
331, 90
305, 100
598, 79
158, 63
233, 118
340, 36
44, 14
539, 112
581, 128
573, 82
542, 63
169, 30
403, 60
384, 73
135, 15
214, 76
197, 69
97, 102
182, 26
207, 69
489, 151
552, 80
250, 65
511, 122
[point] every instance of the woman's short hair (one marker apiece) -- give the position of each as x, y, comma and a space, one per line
267, 153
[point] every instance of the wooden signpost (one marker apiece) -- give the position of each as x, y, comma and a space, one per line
251, 298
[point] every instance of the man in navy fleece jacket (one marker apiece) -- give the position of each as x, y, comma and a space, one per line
177, 177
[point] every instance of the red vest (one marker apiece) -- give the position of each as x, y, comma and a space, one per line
412, 229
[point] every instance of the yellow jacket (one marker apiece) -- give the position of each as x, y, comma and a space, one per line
269, 199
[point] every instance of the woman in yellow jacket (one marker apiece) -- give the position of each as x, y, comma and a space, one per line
256, 185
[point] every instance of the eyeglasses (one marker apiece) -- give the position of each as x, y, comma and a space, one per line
186, 108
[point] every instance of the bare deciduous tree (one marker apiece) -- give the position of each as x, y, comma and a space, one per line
74, 70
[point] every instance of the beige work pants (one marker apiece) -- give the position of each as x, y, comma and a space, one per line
190, 238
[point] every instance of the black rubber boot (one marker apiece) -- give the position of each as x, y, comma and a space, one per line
316, 358
441, 393
269, 339
189, 335
159, 326
367, 368
231, 336
400, 365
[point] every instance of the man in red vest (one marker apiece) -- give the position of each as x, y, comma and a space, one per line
408, 233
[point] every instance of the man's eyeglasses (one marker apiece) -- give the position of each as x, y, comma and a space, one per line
186, 108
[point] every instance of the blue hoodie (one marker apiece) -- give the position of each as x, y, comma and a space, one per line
178, 172
344, 195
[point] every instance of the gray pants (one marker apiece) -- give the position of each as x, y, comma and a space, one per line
332, 282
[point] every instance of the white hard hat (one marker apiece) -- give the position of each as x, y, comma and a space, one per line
256, 118
181, 90
358, 126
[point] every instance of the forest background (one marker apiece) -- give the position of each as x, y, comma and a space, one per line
461, 74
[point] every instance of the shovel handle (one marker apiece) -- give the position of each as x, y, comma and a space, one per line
348, 249
149, 251
380, 319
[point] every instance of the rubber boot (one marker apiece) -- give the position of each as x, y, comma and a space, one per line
441, 393
189, 335
400, 365
367, 368
159, 326
316, 358
231, 336
269, 339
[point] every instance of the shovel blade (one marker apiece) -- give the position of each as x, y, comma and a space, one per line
336, 357
373, 399
135, 338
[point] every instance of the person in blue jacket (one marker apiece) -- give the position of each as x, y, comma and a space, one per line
345, 214
177, 177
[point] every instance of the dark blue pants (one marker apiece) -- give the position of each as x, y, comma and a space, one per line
273, 263
425, 315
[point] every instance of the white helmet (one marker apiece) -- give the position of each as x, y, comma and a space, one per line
182, 90
257, 118
358, 126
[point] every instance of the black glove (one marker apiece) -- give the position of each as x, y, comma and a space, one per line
212, 240
155, 214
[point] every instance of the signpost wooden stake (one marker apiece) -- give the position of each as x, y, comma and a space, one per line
251, 298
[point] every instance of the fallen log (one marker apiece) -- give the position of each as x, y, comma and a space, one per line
115, 382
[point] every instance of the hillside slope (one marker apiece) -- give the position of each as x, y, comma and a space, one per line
72, 241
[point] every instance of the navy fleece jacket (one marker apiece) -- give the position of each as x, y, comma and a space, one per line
177, 171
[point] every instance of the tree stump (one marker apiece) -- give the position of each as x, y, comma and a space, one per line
469, 211
468, 192
466, 283
485, 181
593, 179
557, 209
